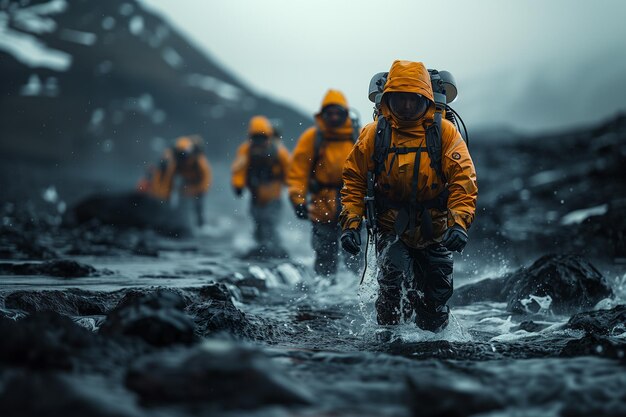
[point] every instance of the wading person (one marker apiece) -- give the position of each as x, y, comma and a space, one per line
261, 167
184, 168
419, 171
314, 179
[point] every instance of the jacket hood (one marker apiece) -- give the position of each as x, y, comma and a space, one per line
408, 77
334, 97
260, 125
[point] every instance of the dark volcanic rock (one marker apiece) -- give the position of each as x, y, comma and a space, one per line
219, 373
601, 322
592, 344
156, 317
44, 341
18, 244
132, 210
57, 394
459, 397
216, 312
72, 302
489, 289
572, 283
57, 268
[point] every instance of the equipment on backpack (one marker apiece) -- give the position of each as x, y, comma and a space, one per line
444, 90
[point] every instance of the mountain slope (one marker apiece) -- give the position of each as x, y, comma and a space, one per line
99, 81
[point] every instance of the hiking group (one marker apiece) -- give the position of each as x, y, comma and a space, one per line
408, 176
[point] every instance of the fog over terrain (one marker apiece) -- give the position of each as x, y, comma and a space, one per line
528, 65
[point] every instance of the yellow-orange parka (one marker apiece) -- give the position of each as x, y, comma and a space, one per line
394, 182
334, 148
270, 154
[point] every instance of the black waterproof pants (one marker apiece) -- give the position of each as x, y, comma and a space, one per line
326, 246
266, 223
199, 209
413, 281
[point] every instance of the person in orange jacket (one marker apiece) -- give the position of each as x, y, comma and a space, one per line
184, 163
424, 204
314, 178
261, 166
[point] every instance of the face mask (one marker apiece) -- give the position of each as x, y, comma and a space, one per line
334, 116
407, 106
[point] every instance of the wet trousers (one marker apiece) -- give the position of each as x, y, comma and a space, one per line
265, 218
413, 283
325, 242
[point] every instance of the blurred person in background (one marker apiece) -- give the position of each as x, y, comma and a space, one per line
315, 182
260, 167
183, 169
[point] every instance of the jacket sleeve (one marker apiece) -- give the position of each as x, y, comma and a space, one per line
283, 160
355, 170
300, 167
240, 167
460, 173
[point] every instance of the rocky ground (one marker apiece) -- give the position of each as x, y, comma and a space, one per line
104, 315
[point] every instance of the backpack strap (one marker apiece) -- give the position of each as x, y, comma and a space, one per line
434, 146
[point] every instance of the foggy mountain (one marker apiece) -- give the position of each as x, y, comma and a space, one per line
108, 81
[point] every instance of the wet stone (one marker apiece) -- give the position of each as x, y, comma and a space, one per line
602, 322
216, 312
56, 268
72, 302
530, 326
596, 345
156, 317
57, 394
218, 373
563, 283
44, 341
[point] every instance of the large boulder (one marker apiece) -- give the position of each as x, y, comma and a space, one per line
218, 373
560, 283
155, 316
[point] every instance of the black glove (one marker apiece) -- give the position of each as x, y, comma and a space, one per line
302, 212
351, 241
238, 191
455, 238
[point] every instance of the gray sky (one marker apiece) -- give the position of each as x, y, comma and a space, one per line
528, 64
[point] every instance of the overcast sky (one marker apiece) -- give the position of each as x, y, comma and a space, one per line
528, 64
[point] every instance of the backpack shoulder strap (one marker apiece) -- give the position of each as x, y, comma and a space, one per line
382, 142
434, 146
317, 146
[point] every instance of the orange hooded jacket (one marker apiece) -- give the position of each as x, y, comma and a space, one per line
195, 171
335, 147
395, 181
268, 188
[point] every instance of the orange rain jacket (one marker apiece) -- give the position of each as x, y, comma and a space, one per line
195, 172
268, 188
395, 183
335, 147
